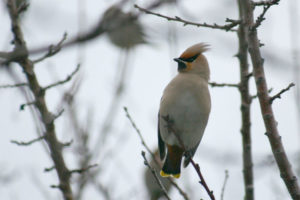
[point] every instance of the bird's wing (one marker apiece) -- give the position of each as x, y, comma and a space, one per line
161, 144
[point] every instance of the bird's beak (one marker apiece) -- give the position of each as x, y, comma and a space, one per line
181, 64
178, 60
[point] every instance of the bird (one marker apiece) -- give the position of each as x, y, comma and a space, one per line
124, 30
184, 110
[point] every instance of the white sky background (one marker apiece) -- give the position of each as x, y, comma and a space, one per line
152, 68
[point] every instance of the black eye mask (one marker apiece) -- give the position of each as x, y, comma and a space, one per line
190, 59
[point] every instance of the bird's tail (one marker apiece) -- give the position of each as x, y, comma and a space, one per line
172, 164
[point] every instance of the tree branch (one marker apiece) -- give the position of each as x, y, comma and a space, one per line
266, 3
245, 108
214, 84
29, 142
40, 103
202, 181
285, 168
69, 77
224, 185
82, 170
182, 193
13, 86
227, 27
278, 95
155, 176
53, 49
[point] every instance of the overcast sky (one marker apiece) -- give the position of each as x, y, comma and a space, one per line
151, 68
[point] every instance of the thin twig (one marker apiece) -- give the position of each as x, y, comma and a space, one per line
53, 49
214, 84
69, 77
255, 96
224, 184
278, 95
22, 106
58, 114
155, 175
260, 18
138, 131
13, 86
182, 193
49, 169
82, 170
266, 3
202, 181
227, 27
29, 142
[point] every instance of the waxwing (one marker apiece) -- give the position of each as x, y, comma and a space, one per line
184, 110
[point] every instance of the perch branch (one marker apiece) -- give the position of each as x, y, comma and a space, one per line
155, 175
202, 181
182, 193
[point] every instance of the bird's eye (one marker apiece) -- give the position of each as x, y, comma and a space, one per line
190, 59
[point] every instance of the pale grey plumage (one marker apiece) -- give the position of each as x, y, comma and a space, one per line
186, 100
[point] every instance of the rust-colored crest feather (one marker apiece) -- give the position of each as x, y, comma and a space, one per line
195, 49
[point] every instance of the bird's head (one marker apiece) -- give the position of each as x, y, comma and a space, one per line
193, 61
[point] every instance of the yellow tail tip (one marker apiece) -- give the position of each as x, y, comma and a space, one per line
163, 174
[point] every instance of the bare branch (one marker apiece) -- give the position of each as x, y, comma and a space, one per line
227, 27
58, 114
214, 84
138, 131
224, 184
278, 95
245, 108
283, 163
260, 18
155, 176
53, 49
182, 193
14, 86
29, 142
255, 96
202, 181
69, 77
49, 169
266, 3
22, 106
67, 144
40, 102
82, 170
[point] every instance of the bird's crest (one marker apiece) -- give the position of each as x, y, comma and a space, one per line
194, 50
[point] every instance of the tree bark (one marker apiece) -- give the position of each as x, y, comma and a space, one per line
278, 150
